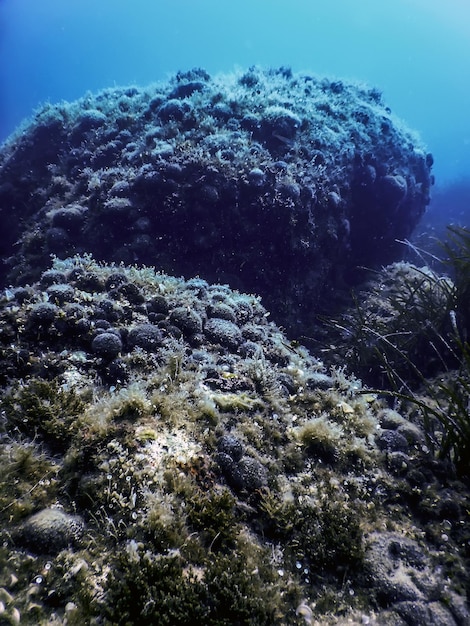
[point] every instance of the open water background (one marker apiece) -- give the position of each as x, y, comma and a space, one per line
416, 51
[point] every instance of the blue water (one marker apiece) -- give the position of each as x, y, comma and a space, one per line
416, 51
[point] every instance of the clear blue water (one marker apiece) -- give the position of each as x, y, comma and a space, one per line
416, 51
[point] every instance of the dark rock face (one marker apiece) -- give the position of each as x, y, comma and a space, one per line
273, 182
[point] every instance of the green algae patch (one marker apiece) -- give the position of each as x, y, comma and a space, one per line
42, 406
228, 402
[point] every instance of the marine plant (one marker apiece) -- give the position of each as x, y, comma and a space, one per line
29, 479
445, 403
214, 517
409, 339
397, 327
42, 407
144, 588
322, 532
321, 438
442, 403
457, 251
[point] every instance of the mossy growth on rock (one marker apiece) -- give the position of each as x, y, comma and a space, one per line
30, 479
323, 534
41, 406
195, 478
145, 589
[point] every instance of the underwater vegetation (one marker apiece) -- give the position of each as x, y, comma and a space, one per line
169, 455
178, 474
409, 334
456, 252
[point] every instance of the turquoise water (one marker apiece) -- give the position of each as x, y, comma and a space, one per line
416, 51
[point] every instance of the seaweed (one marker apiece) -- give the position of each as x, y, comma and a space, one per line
44, 408
324, 536
409, 340
143, 588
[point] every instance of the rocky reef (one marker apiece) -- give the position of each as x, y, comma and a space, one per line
276, 183
170, 457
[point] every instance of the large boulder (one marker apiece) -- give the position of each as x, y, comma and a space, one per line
280, 184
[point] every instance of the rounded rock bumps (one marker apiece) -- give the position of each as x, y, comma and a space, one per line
276, 183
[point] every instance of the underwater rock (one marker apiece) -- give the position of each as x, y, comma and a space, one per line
224, 332
392, 441
60, 294
52, 277
42, 315
405, 580
222, 480
243, 474
69, 218
189, 321
230, 445
393, 190
222, 311
107, 345
51, 530
400, 570
423, 614
278, 183
145, 336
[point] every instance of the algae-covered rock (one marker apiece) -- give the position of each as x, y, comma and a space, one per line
189, 477
170, 456
280, 184
50, 531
